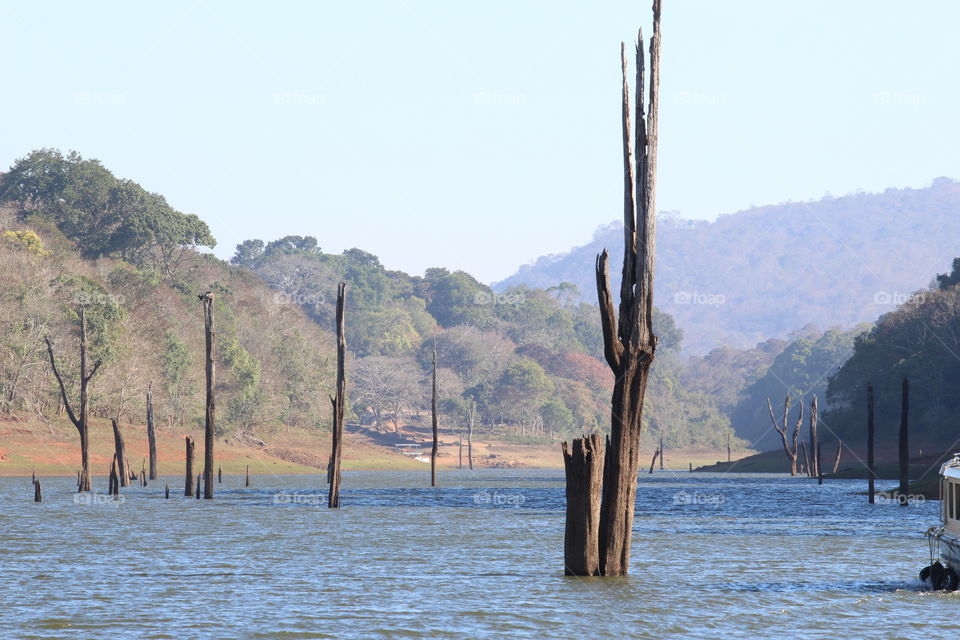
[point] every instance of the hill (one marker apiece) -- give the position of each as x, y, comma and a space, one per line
766, 271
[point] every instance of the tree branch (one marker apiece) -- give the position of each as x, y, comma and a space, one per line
63, 388
612, 347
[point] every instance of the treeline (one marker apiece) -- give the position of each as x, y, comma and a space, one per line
73, 235
525, 362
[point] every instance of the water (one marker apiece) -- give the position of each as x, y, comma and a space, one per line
730, 556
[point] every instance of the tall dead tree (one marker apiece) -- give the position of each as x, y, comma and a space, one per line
836, 460
210, 335
904, 443
336, 450
805, 466
815, 471
629, 341
151, 433
434, 422
870, 474
661, 453
188, 481
473, 413
119, 448
81, 420
789, 445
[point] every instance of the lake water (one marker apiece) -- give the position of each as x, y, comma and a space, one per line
731, 556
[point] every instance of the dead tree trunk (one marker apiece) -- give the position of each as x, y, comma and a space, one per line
629, 341
219, 475
870, 474
114, 478
188, 482
653, 461
661, 453
120, 453
789, 446
434, 422
37, 491
247, 482
210, 335
728, 447
583, 462
460, 452
151, 433
904, 444
836, 460
805, 465
82, 420
819, 461
336, 451
815, 471
473, 413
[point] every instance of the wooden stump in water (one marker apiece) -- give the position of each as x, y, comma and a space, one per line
37, 491
188, 481
210, 335
199, 483
904, 444
219, 475
151, 433
870, 474
247, 483
434, 422
336, 449
114, 478
166, 492
583, 463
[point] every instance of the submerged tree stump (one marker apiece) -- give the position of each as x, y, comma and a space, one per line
434, 421
151, 433
628, 339
336, 450
37, 491
188, 482
904, 443
210, 335
583, 463
870, 473
121, 456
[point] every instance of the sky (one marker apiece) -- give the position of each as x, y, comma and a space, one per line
477, 135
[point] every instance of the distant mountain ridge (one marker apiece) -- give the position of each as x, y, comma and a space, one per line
766, 271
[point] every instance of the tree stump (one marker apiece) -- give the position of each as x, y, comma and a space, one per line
583, 463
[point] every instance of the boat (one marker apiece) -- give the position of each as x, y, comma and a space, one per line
943, 572
412, 450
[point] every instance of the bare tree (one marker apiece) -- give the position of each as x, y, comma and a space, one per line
789, 446
82, 420
210, 417
629, 341
336, 450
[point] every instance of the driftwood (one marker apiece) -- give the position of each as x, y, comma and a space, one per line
336, 450
434, 422
629, 341
870, 473
151, 433
81, 420
789, 445
188, 483
210, 335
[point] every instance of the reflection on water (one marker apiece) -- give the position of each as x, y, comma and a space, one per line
479, 557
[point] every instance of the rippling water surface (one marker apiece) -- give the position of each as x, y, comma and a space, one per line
730, 556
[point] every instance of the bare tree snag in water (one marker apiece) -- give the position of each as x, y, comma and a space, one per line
819, 461
473, 413
629, 342
199, 480
37, 491
433, 421
805, 467
219, 475
166, 491
904, 443
83, 420
661, 453
728, 447
653, 461
188, 483
583, 463
120, 454
836, 460
210, 335
815, 471
247, 483
114, 478
870, 474
789, 446
151, 433
460, 452
336, 451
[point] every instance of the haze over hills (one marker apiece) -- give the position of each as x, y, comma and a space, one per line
767, 271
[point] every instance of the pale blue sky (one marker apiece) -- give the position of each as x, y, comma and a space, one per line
477, 135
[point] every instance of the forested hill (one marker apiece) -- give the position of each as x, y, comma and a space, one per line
766, 271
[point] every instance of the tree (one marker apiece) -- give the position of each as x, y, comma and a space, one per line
80, 420
629, 346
